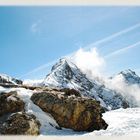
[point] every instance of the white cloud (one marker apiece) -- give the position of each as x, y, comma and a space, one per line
90, 62
130, 92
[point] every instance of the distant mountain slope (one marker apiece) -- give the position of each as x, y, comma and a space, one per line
127, 83
65, 74
130, 77
5, 79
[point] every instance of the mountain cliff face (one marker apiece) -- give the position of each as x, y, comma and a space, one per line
65, 74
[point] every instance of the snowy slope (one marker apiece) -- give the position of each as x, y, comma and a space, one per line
65, 74
121, 122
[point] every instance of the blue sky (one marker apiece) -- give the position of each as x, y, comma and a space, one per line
31, 37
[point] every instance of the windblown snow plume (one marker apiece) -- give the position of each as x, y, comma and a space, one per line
130, 91
93, 65
90, 62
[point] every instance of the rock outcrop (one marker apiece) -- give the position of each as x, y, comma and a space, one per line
11, 121
21, 124
10, 103
70, 109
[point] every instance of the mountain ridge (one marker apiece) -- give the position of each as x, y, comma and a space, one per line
65, 74
9, 80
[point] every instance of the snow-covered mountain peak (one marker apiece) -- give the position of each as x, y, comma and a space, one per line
9, 80
65, 74
64, 63
128, 72
130, 76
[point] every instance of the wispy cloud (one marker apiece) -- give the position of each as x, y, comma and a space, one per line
117, 34
123, 50
90, 62
92, 45
35, 27
130, 92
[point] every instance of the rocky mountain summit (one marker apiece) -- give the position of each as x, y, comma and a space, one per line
65, 74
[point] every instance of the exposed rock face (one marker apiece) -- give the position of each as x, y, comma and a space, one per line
70, 110
10, 102
65, 74
21, 124
17, 123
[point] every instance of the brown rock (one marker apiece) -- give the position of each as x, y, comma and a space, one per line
70, 110
21, 124
10, 102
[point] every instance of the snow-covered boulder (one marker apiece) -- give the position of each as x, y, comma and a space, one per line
70, 109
